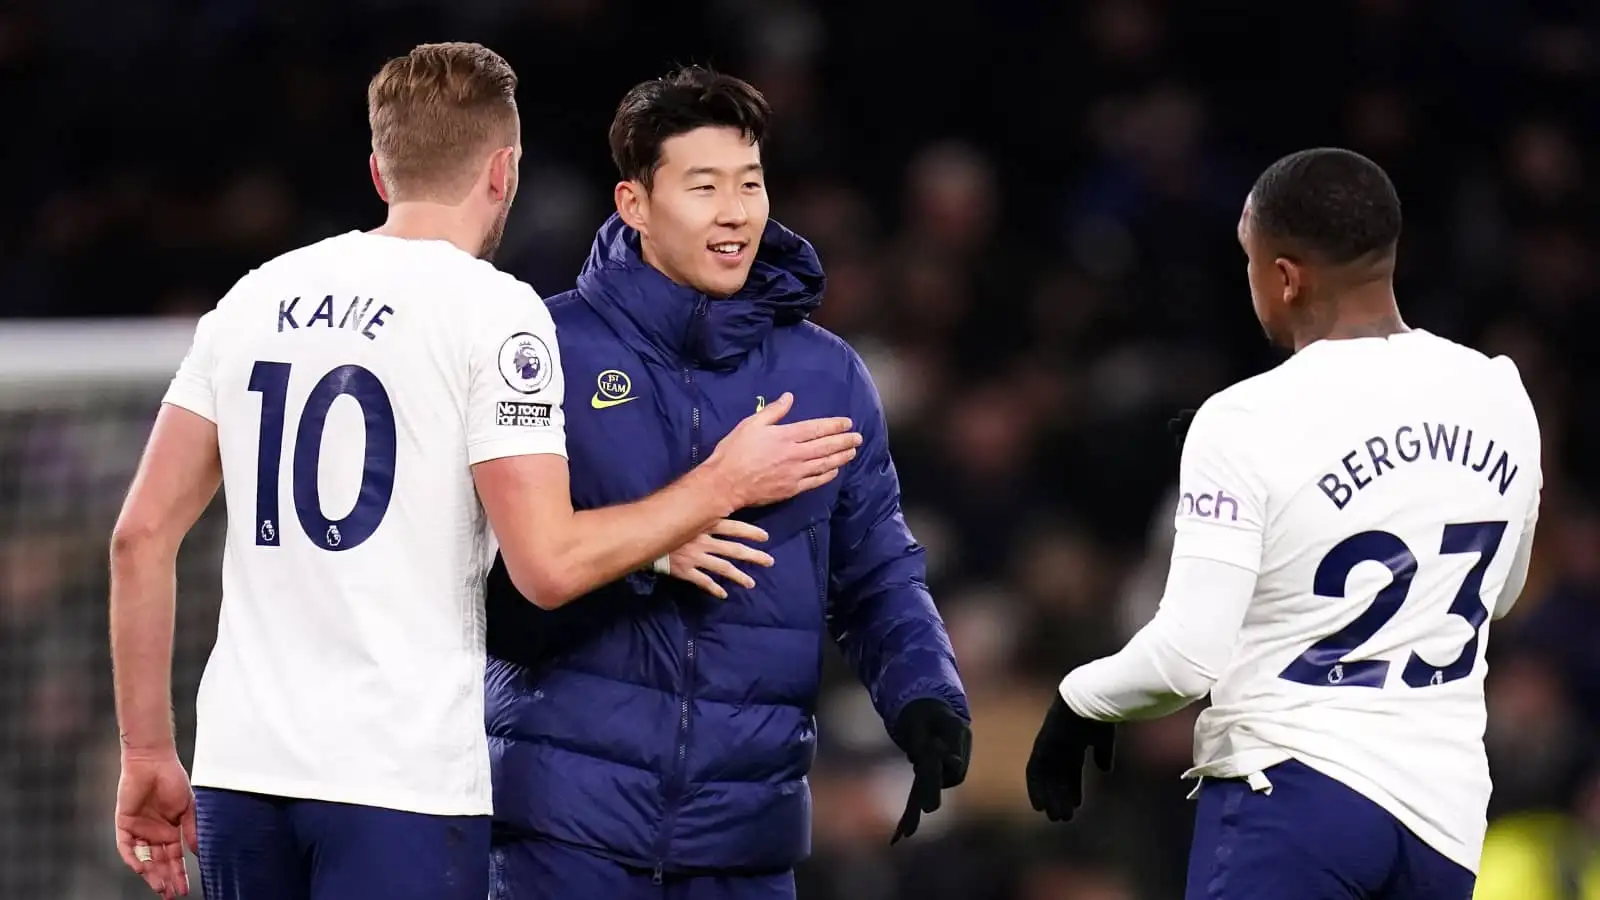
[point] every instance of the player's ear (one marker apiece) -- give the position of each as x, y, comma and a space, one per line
377, 177
1293, 277
632, 205
501, 177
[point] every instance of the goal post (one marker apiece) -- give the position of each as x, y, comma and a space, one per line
77, 399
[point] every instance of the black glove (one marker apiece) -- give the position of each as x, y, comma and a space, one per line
939, 744
1055, 770
1179, 426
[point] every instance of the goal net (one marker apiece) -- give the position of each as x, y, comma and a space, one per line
76, 404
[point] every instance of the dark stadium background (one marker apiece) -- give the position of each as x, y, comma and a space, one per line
1026, 209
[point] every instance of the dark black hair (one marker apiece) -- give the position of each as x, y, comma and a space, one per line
688, 98
1334, 205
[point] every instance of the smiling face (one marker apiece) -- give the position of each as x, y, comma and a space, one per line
701, 217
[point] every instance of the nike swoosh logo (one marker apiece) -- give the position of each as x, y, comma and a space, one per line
600, 403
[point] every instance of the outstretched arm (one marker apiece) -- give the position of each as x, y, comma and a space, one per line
555, 555
1216, 554
1175, 658
516, 445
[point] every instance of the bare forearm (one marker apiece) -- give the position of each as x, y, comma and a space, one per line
602, 545
143, 606
179, 474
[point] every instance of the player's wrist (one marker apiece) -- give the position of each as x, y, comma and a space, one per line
137, 747
716, 488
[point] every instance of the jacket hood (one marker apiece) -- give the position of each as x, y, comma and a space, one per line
675, 323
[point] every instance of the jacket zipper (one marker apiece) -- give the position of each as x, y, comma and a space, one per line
822, 595
688, 381
816, 563
674, 784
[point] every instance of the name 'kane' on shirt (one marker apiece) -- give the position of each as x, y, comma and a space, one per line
354, 383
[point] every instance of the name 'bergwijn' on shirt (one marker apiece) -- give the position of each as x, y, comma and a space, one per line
1434, 442
354, 317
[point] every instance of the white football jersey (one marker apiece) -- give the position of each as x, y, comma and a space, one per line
354, 382
1381, 488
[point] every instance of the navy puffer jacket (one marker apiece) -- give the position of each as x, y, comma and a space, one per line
648, 721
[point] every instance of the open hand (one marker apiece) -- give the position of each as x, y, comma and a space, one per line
155, 818
709, 554
764, 462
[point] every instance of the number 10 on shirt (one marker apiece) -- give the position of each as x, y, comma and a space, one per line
271, 381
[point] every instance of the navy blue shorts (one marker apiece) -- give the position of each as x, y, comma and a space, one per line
532, 869
256, 847
1312, 838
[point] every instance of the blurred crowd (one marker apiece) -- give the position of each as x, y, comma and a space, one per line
1027, 213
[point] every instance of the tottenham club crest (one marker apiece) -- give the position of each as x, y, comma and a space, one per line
526, 363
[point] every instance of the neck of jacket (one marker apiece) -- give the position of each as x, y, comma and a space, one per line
679, 326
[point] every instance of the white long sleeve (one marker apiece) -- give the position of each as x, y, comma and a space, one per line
1346, 526
1175, 658
1218, 533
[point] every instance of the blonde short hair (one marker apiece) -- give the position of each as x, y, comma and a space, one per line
435, 113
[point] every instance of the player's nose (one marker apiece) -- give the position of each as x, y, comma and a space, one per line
732, 212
